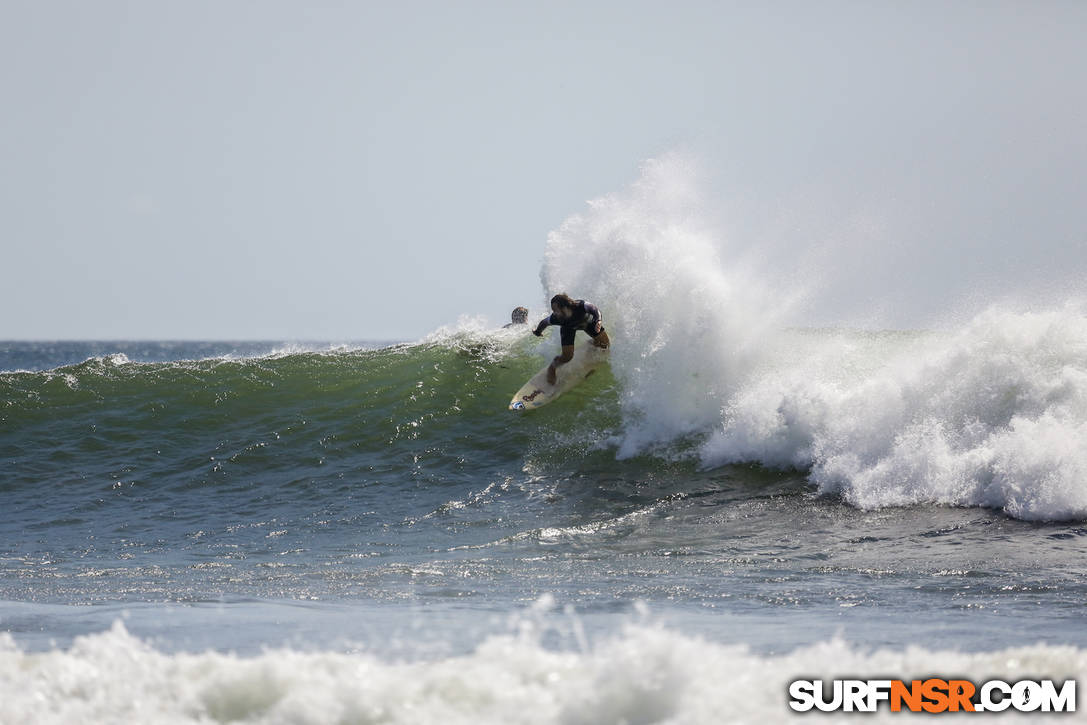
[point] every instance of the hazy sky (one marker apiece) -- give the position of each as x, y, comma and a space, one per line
372, 170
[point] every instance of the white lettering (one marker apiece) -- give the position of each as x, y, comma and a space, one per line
987, 702
1026, 696
853, 697
835, 701
802, 693
878, 690
993, 696
1064, 701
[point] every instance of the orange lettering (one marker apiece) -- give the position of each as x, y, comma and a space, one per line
934, 691
959, 694
910, 695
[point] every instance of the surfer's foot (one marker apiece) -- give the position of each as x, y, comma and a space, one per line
551, 375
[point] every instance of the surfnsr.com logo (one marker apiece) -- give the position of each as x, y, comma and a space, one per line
932, 695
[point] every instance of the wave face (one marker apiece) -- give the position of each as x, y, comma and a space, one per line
238, 475
400, 416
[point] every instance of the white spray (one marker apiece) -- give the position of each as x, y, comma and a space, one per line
686, 319
992, 414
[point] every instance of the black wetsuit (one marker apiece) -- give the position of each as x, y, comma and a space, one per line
585, 317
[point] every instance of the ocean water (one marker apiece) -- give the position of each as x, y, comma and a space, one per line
363, 533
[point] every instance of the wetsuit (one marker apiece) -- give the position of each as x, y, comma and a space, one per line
585, 317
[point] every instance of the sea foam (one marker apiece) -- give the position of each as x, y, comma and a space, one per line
687, 327
709, 351
993, 414
643, 674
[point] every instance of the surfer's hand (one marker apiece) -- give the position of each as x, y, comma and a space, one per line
537, 333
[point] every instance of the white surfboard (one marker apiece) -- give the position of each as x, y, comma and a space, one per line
537, 391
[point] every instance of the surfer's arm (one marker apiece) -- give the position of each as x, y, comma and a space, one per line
542, 326
596, 320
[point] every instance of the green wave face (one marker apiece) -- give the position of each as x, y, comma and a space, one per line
407, 412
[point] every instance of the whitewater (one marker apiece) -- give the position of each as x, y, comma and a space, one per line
271, 532
990, 413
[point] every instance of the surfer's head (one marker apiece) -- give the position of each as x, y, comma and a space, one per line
562, 305
519, 316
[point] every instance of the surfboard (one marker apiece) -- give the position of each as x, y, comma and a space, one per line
538, 392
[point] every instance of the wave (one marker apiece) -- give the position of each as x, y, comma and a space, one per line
689, 316
993, 414
433, 410
642, 674
709, 365
708, 355
43, 355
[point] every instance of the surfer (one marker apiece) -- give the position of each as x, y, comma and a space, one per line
572, 315
519, 316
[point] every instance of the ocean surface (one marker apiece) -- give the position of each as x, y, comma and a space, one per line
268, 532
364, 533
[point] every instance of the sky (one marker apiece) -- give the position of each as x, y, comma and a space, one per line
374, 170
